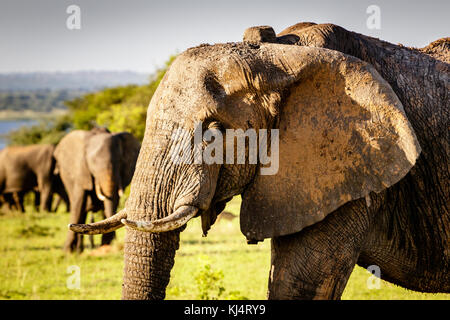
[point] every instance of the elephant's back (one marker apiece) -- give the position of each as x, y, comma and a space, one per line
73, 138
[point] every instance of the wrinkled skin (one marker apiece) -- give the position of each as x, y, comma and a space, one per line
362, 168
94, 166
24, 169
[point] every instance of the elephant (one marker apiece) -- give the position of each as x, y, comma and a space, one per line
95, 167
362, 177
24, 169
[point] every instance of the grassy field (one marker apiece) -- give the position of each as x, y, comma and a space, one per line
219, 266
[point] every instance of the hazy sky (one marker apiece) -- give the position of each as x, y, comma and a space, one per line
139, 35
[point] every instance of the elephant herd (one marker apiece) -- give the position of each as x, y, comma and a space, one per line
88, 170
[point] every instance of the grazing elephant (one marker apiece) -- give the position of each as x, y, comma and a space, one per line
362, 161
24, 169
95, 167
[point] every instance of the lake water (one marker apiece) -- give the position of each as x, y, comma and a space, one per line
9, 125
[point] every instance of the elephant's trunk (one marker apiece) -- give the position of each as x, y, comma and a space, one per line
106, 187
158, 188
149, 258
106, 184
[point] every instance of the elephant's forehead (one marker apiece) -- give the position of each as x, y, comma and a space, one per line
244, 65
202, 79
220, 69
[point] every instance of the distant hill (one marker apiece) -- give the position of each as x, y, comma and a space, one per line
30, 95
36, 100
79, 80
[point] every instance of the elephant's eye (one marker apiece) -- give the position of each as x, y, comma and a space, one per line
212, 124
211, 129
215, 125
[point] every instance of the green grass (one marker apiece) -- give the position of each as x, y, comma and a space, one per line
220, 266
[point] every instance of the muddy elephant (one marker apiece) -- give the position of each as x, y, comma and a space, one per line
26, 169
95, 167
362, 172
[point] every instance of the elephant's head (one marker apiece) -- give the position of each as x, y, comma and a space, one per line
110, 160
342, 134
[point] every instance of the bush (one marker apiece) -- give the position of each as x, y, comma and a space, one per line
119, 109
209, 283
121, 117
210, 286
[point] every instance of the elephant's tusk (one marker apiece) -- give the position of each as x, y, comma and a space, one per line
99, 193
176, 220
104, 226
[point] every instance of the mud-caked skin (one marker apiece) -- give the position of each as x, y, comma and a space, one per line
363, 150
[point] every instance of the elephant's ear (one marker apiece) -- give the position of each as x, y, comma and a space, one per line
71, 158
342, 134
130, 152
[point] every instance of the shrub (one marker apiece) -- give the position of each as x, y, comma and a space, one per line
209, 283
121, 117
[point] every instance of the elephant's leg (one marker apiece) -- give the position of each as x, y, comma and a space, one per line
317, 262
9, 201
107, 238
57, 204
37, 200
74, 241
18, 201
45, 189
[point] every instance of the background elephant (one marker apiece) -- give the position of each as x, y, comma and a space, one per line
24, 169
350, 187
95, 166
